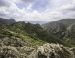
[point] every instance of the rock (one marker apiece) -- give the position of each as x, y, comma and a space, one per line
12, 41
53, 51
11, 47
9, 52
15, 52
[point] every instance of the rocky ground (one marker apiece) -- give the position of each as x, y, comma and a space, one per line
16, 48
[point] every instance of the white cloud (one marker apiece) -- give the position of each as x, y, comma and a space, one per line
57, 10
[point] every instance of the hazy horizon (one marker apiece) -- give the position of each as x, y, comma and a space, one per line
38, 22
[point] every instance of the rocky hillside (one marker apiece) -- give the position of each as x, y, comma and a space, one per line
63, 29
45, 51
26, 40
53, 51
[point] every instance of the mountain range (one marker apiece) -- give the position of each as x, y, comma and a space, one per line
63, 29
26, 40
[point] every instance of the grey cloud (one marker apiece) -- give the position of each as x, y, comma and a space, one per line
4, 3
22, 14
71, 9
2, 14
28, 1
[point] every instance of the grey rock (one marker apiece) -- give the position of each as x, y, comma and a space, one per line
53, 51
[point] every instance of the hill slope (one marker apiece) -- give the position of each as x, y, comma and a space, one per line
63, 29
22, 29
26, 40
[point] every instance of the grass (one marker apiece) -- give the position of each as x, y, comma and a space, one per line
25, 37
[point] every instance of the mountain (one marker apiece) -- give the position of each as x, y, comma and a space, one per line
67, 22
34, 30
10, 27
54, 32
6, 21
63, 29
27, 40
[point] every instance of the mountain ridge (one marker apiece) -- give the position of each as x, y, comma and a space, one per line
63, 29
27, 40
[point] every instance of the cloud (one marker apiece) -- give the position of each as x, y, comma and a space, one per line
37, 10
4, 3
40, 5
28, 1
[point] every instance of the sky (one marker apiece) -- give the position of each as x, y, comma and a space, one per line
37, 10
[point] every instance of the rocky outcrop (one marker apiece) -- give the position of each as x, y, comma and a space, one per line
15, 52
13, 47
53, 51
45, 51
12, 41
